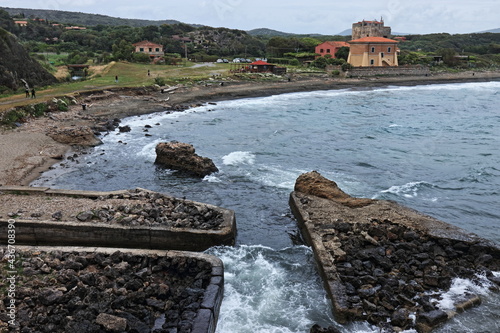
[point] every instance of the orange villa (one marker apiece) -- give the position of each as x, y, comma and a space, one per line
152, 49
329, 48
373, 51
21, 23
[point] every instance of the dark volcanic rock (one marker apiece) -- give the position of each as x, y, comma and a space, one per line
181, 156
118, 292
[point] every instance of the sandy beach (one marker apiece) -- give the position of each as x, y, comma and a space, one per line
27, 150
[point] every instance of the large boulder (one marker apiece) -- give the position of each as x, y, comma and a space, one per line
79, 136
181, 156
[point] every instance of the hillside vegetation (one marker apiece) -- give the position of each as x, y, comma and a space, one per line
98, 40
17, 65
76, 18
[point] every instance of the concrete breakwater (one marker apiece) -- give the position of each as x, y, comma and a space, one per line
134, 219
111, 290
385, 263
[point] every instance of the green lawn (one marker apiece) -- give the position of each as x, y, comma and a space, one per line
129, 75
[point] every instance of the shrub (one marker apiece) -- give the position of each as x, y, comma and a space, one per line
160, 81
39, 109
346, 66
12, 116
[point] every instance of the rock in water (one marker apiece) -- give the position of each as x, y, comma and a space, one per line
181, 156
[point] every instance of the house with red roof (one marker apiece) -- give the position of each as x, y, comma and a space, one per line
373, 51
329, 48
152, 49
22, 23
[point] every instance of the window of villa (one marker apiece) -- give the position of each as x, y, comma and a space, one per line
327, 50
382, 54
321, 51
157, 49
150, 49
372, 62
373, 49
141, 49
388, 50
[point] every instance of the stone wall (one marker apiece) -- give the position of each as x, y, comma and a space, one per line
388, 71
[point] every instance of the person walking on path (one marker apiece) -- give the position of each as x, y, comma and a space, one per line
116, 78
33, 94
27, 92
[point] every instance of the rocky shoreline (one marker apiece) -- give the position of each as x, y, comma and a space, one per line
24, 159
369, 280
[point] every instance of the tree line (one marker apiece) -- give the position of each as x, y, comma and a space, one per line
104, 43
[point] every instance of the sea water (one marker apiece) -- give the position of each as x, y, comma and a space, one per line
434, 148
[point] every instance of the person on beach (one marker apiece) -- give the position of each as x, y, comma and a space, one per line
33, 94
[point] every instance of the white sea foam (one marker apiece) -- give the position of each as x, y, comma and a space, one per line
212, 179
263, 290
460, 287
408, 190
239, 157
148, 150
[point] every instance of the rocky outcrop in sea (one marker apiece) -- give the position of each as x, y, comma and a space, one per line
181, 156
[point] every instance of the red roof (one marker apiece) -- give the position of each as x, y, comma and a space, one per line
373, 40
261, 63
335, 44
147, 43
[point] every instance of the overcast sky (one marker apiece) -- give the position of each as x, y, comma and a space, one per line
296, 16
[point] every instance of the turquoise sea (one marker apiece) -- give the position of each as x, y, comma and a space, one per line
434, 148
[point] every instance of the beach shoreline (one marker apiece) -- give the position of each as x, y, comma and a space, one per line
27, 151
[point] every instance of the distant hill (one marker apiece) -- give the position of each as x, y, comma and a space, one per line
16, 64
346, 32
77, 18
494, 31
268, 33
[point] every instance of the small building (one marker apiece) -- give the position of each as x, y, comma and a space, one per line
21, 23
79, 70
152, 49
75, 28
373, 51
259, 66
329, 48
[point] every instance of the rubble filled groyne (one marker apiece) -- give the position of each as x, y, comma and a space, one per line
386, 263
